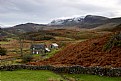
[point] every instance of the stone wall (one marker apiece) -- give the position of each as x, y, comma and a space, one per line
112, 72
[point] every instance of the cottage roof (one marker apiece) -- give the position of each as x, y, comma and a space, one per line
38, 46
54, 44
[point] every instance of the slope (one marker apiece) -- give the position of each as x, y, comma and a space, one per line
88, 53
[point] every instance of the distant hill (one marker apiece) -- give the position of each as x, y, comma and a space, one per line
23, 28
88, 22
4, 33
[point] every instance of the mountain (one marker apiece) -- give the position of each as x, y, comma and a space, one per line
113, 24
23, 28
94, 19
88, 22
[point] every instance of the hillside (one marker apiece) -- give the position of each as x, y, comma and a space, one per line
117, 28
103, 51
107, 27
4, 33
23, 28
63, 35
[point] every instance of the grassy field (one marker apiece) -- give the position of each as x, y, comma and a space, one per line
4, 42
27, 75
85, 77
50, 54
62, 38
42, 75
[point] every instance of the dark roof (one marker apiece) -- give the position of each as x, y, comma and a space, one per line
38, 46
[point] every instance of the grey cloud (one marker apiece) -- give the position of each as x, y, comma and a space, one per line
42, 11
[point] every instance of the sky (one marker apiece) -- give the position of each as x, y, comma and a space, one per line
13, 12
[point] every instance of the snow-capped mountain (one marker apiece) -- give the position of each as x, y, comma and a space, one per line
87, 21
71, 21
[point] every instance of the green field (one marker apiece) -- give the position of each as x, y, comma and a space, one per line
86, 77
42, 75
4, 42
28, 75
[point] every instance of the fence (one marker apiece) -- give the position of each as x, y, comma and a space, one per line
112, 72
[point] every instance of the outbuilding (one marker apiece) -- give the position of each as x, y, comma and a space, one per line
54, 46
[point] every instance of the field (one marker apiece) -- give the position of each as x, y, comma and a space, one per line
40, 75
26, 75
13, 48
62, 37
83, 77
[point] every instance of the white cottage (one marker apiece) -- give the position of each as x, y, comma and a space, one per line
39, 49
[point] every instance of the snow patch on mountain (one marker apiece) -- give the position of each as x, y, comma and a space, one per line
66, 21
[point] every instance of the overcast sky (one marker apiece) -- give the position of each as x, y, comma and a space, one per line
14, 12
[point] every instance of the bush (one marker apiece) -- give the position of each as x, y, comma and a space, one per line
47, 37
27, 58
115, 40
3, 51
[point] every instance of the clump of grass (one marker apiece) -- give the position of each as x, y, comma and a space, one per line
115, 40
27, 58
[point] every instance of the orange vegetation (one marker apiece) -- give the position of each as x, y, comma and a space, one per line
87, 53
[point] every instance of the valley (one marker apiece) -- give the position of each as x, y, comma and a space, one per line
91, 42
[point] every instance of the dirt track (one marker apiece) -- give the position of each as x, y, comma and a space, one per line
87, 53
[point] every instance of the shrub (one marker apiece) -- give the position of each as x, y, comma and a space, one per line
115, 40
3, 51
44, 37
47, 37
27, 58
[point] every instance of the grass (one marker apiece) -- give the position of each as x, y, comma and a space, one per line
43, 75
85, 77
29, 75
47, 55
50, 54
4, 42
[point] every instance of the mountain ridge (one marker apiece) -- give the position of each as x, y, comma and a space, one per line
88, 22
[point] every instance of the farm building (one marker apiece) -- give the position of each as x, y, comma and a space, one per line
39, 49
54, 46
